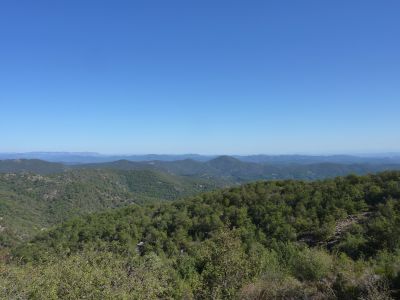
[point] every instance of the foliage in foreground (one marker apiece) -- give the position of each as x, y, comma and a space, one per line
220, 268
332, 239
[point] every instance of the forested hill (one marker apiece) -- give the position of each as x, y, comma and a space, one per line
30, 202
331, 239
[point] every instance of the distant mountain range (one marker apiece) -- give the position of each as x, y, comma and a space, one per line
92, 157
238, 171
226, 168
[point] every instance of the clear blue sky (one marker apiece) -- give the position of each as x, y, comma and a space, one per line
200, 76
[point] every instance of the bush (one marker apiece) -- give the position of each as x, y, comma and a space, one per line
91, 275
311, 264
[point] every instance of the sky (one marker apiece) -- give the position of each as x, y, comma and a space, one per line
208, 77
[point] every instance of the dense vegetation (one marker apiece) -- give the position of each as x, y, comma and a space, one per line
30, 202
331, 239
36, 194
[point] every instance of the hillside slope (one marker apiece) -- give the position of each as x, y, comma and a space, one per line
263, 240
30, 202
279, 210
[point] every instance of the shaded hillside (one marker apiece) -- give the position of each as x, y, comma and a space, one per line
239, 243
29, 202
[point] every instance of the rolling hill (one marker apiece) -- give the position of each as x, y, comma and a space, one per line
36, 194
331, 239
30, 202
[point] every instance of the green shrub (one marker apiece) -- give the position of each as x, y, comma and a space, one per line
311, 264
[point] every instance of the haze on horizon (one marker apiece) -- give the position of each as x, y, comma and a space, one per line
226, 77
120, 155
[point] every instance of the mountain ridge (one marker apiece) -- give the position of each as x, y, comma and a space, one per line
93, 157
227, 167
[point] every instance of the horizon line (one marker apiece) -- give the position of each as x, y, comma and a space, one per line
94, 153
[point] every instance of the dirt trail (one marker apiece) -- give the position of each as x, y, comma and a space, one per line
342, 226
